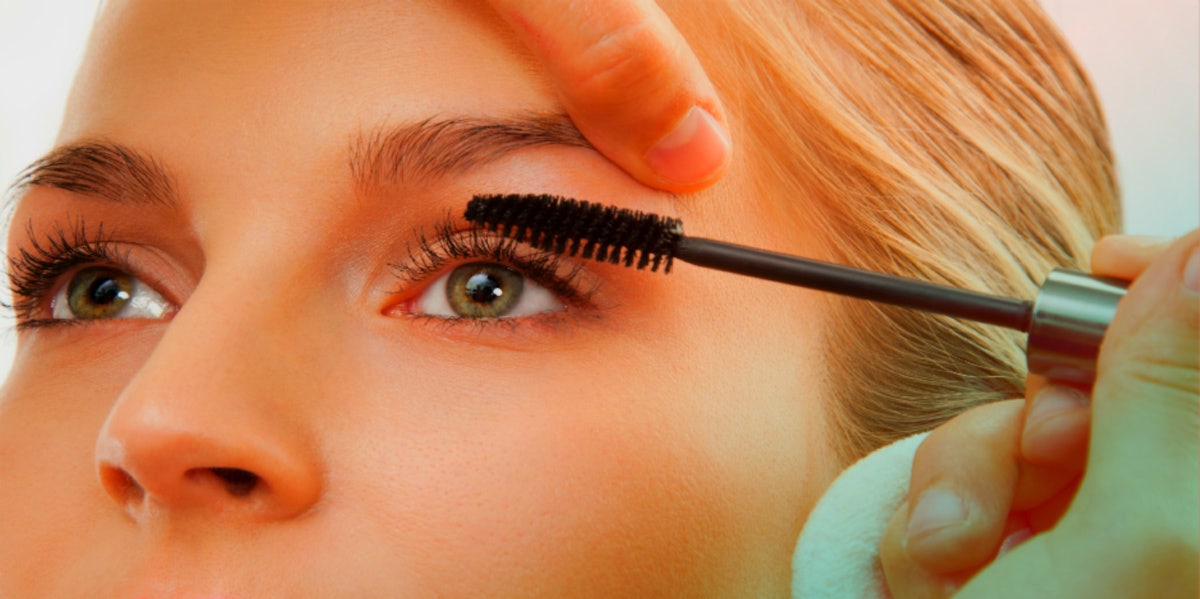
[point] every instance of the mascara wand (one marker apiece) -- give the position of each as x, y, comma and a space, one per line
1065, 323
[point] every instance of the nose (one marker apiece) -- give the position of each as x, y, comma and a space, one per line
149, 459
211, 425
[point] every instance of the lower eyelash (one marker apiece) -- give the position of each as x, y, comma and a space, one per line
35, 270
431, 255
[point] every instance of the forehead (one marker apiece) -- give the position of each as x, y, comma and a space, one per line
290, 74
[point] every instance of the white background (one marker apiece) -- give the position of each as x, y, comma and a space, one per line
1143, 55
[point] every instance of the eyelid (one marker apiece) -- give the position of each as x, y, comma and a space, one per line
452, 244
38, 311
40, 269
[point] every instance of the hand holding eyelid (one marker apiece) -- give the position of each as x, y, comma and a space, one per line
1065, 323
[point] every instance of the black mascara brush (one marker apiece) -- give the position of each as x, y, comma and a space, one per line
1065, 322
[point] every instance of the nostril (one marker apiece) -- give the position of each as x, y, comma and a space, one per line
238, 482
121, 485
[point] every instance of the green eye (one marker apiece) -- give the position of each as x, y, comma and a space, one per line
99, 292
483, 290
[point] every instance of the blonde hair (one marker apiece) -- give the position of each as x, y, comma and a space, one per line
955, 141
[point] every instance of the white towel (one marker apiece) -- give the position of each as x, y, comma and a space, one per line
837, 555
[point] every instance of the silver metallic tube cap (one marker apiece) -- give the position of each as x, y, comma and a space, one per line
1070, 316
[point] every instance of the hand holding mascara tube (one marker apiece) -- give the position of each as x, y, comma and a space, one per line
1139, 488
1131, 529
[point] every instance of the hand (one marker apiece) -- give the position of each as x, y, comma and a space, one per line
631, 84
1132, 531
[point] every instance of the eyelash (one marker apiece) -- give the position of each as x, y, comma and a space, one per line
430, 256
35, 271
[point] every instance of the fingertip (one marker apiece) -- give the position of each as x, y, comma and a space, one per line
938, 513
1056, 427
633, 86
905, 577
693, 155
974, 458
1126, 256
946, 533
1060, 440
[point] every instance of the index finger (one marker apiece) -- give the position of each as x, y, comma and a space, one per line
1126, 256
632, 85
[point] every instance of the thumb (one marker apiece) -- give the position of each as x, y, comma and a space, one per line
631, 84
1133, 528
1146, 415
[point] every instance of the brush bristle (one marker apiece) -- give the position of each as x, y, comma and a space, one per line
578, 228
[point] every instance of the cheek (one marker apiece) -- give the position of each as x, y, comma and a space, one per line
51, 411
571, 497
591, 469
645, 464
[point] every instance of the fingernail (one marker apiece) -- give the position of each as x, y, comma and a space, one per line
1013, 540
693, 151
936, 510
1054, 399
1191, 272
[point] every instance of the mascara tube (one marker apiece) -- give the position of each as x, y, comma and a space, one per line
1069, 318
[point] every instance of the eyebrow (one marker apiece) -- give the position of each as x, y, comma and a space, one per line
433, 149
429, 149
108, 170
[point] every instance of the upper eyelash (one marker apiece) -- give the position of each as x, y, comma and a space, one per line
35, 269
430, 255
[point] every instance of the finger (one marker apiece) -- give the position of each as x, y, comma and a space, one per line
1126, 256
1143, 449
963, 479
907, 579
1053, 453
631, 84
904, 577
1045, 514
1056, 427
1053, 444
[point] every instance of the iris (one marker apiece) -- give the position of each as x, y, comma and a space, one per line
99, 292
483, 290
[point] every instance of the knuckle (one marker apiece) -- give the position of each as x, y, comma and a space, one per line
631, 58
1177, 381
1159, 358
1159, 351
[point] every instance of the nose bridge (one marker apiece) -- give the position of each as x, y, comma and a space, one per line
216, 418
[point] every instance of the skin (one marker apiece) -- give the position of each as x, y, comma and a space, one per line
613, 449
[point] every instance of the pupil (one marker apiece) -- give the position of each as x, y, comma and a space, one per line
105, 291
99, 293
483, 288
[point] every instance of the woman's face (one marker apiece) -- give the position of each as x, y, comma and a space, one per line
247, 364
